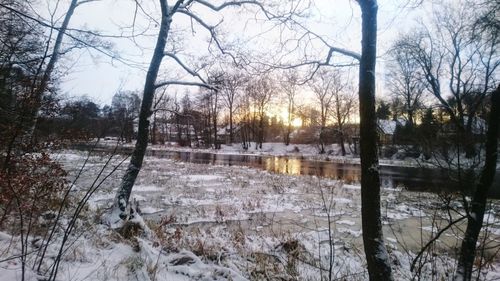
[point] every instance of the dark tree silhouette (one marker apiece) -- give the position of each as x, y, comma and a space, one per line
478, 204
373, 240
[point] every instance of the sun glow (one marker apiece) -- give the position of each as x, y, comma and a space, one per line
282, 115
297, 122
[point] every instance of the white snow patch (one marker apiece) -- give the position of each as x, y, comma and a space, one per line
346, 222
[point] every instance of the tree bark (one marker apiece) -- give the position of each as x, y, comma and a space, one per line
128, 179
376, 254
261, 130
342, 142
231, 137
340, 122
38, 91
153, 130
478, 204
287, 133
214, 120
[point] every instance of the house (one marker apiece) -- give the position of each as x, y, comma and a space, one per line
224, 134
387, 129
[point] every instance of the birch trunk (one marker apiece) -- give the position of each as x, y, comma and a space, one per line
119, 210
39, 90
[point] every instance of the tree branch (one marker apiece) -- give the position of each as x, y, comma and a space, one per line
184, 83
185, 67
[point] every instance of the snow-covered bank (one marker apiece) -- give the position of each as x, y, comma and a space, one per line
303, 151
214, 222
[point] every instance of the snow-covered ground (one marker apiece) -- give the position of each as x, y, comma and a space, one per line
211, 222
306, 151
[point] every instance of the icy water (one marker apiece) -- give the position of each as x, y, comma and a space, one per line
411, 178
391, 176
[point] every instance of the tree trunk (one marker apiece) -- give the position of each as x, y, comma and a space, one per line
188, 132
342, 141
321, 140
290, 116
39, 90
128, 179
261, 138
214, 120
179, 129
231, 137
376, 254
340, 121
287, 133
153, 130
410, 118
478, 204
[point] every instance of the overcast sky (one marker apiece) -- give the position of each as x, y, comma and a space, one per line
99, 77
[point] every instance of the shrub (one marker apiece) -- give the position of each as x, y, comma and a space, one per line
30, 186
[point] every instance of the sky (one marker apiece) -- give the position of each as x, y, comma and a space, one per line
87, 72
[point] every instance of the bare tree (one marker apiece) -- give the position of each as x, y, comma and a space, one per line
40, 60
245, 121
289, 85
477, 207
406, 81
125, 108
186, 112
159, 105
378, 261
44, 72
487, 24
216, 80
325, 85
453, 51
231, 86
344, 106
20, 54
179, 8
377, 257
260, 91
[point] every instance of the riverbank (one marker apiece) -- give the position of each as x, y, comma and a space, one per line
304, 151
213, 222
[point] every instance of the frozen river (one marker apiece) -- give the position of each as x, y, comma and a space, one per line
411, 178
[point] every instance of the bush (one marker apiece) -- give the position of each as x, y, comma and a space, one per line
31, 185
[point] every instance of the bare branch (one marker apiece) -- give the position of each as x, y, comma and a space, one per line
268, 14
433, 240
213, 34
185, 67
85, 1
184, 83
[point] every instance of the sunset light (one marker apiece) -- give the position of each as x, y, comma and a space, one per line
297, 122
249, 140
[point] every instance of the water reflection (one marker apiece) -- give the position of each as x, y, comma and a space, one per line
283, 165
412, 178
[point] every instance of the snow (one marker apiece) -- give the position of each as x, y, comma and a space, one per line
346, 222
203, 177
387, 126
211, 222
146, 188
150, 210
355, 233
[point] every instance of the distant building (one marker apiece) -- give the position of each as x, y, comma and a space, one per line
387, 130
